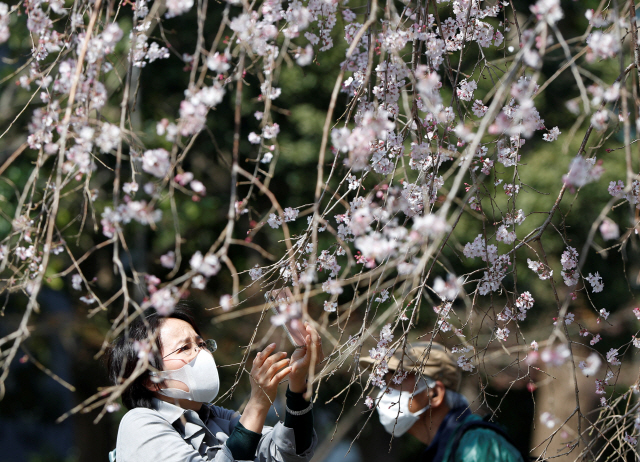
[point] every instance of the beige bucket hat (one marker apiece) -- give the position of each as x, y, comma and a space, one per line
430, 359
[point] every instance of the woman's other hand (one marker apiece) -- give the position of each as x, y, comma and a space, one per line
304, 359
267, 371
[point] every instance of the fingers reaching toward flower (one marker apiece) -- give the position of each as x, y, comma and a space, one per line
304, 359
267, 371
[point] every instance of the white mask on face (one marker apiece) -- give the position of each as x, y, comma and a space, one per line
394, 422
200, 375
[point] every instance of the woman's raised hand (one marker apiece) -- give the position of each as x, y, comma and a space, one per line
267, 371
303, 359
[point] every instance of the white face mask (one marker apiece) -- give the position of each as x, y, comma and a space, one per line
200, 375
394, 422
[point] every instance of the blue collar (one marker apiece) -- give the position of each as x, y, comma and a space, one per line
436, 450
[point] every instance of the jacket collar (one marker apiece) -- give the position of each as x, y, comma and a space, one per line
168, 411
191, 424
436, 450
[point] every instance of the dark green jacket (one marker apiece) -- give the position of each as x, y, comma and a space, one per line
476, 444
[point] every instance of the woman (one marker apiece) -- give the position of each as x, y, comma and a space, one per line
170, 418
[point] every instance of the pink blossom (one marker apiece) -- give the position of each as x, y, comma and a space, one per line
596, 282
156, 162
226, 302
599, 119
465, 364
199, 282
547, 10
130, 188
255, 273
89, 300
177, 7
569, 258
601, 45
163, 300
368, 400
552, 135
612, 357
4, 22
254, 138
348, 15
209, 265
304, 56
548, 420
556, 356
502, 334
591, 365
465, 89
198, 188
479, 109
430, 225
331, 286
218, 63
330, 307
271, 131
505, 235
609, 229
168, 260
290, 214
76, 282
447, 290
274, 221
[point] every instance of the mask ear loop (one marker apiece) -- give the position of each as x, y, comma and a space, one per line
430, 384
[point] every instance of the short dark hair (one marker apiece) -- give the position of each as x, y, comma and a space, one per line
122, 355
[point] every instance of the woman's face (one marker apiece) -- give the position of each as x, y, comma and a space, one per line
179, 345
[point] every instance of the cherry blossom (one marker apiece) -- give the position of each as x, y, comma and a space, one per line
164, 300
178, 7
156, 162
465, 364
612, 357
596, 282
601, 46
609, 229
502, 334
556, 356
274, 220
552, 135
368, 400
209, 265
465, 89
168, 260
76, 282
330, 307
447, 290
226, 302
591, 365
4, 22
255, 272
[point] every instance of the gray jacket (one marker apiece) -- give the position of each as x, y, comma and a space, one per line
169, 433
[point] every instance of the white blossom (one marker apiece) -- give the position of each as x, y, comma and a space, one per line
609, 229
209, 265
156, 162
177, 7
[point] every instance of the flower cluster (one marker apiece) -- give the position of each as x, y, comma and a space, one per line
569, 261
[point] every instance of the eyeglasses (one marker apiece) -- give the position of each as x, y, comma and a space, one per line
188, 348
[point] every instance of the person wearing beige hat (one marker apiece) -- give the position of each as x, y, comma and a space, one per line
420, 397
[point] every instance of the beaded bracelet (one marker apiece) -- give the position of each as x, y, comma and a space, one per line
303, 412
